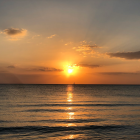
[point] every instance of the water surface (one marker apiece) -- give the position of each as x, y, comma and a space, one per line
69, 112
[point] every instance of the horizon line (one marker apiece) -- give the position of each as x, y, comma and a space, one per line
61, 84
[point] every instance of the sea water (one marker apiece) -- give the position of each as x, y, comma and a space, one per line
55, 112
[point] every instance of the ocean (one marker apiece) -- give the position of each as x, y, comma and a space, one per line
68, 112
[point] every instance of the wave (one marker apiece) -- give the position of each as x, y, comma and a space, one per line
67, 105
70, 120
47, 129
45, 110
60, 121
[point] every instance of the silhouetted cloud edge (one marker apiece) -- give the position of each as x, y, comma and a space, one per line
46, 69
126, 55
89, 65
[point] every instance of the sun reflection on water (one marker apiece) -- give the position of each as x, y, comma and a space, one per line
69, 98
70, 115
70, 112
70, 137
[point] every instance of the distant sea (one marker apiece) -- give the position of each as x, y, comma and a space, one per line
65, 112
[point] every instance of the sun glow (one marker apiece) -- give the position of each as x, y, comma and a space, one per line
71, 69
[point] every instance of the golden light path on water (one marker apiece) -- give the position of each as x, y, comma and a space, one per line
70, 112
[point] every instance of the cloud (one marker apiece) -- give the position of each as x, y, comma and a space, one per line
119, 73
51, 36
126, 55
89, 65
46, 69
29, 68
14, 33
83, 65
35, 36
85, 48
11, 66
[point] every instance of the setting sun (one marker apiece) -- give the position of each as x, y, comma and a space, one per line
70, 70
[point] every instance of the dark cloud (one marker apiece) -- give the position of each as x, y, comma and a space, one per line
11, 66
89, 65
119, 73
13, 31
126, 55
46, 69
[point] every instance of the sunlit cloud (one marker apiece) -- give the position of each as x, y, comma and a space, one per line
51, 36
14, 33
87, 48
126, 55
82, 65
35, 36
73, 66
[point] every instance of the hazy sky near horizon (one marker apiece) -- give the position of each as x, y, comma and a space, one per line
98, 39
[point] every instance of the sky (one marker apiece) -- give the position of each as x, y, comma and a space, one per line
69, 41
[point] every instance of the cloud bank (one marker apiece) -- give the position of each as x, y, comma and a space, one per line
46, 69
126, 55
119, 73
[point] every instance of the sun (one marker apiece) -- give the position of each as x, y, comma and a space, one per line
70, 70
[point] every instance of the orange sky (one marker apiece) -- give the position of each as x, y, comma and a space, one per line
98, 41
